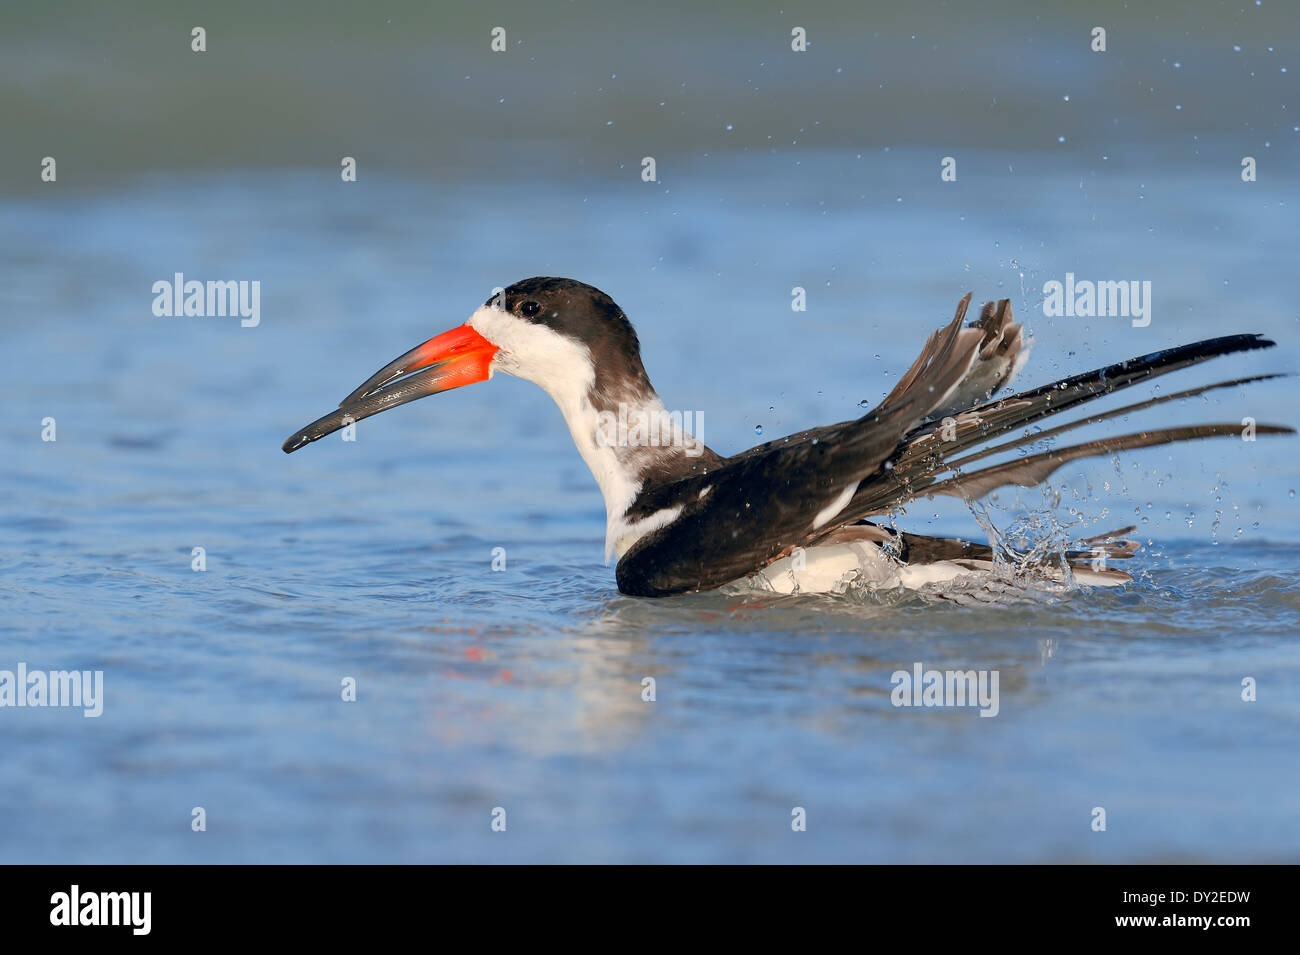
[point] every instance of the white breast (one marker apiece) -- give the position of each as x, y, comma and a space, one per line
829, 569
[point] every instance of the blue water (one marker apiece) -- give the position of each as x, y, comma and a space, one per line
521, 688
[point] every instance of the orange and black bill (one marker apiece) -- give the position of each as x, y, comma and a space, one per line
459, 357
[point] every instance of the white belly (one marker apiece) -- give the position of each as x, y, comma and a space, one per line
829, 570
833, 568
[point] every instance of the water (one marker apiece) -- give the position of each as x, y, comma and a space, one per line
522, 688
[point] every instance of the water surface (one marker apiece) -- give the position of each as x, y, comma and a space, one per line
522, 688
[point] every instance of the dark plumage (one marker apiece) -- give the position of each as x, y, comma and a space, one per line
685, 522
762, 501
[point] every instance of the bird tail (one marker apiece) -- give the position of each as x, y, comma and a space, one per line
1088, 559
929, 459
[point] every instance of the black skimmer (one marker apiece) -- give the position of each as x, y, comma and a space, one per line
794, 513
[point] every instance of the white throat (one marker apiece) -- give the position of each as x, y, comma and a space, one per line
617, 456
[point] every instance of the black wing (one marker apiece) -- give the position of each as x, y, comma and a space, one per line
796, 491
759, 504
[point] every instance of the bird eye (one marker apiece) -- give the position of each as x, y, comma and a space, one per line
529, 309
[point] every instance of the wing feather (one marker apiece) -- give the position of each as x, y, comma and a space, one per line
766, 501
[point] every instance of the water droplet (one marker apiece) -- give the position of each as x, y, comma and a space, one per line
758, 429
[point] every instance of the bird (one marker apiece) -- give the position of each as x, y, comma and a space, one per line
795, 514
